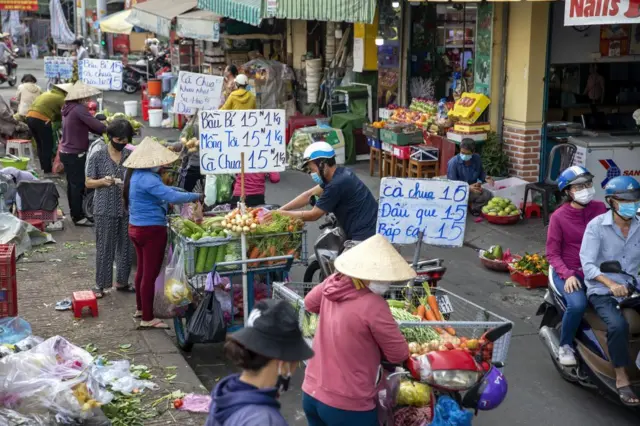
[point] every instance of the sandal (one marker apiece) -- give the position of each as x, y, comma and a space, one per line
154, 323
628, 397
99, 293
63, 305
128, 288
137, 314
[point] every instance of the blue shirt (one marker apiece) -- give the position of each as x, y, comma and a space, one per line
470, 173
603, 240
149, 198
352, 203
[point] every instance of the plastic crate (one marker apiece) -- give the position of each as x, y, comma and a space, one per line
467, 318
8, 282
374, 143
529, 281
43, 215
402, 152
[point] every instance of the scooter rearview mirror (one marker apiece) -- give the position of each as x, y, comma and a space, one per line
496, 333
611, 267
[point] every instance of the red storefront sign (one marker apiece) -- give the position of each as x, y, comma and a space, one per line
598, 12
27, 5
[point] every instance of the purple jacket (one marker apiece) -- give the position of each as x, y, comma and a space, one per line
564, 237
77, 122
235, 403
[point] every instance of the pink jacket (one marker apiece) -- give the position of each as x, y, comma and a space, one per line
355, 332
254, 183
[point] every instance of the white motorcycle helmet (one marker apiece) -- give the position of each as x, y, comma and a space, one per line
317, 151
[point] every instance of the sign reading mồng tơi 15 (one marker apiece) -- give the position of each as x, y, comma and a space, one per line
259, 134
436, 207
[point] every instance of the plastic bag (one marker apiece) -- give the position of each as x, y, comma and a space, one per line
449, 413
13, 418
162, 308
207, 323
13, 330
176, 287
118, 375
388, 389
57, 168
195, 403
224, 188
210, 190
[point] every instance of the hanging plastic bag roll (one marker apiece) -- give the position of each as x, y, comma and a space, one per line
210, 190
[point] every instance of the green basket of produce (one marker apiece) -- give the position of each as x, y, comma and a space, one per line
20, 163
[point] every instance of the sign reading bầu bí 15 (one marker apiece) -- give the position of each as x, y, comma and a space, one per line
599, 12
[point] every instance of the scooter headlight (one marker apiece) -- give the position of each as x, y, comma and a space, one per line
455, 380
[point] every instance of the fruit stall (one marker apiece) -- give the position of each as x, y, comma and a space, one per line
431, 324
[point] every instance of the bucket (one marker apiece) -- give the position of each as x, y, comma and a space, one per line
154, 87
155, 117
131, 108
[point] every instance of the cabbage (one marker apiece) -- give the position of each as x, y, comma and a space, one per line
413, 393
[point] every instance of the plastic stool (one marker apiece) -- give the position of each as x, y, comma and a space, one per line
82, 299
20, 148
36, 223
532, 209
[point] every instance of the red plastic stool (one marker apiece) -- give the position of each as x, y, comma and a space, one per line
82, 299
533, 209
36, 223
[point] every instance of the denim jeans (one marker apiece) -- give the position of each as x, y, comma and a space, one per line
319, 414
617, 328
576, 305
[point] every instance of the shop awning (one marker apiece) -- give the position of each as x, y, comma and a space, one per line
116, 23
200, 25
326, 10
156, 15
247, 11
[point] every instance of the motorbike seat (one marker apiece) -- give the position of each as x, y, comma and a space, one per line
631, 315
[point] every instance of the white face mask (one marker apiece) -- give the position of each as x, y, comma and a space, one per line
584, 196
379, 288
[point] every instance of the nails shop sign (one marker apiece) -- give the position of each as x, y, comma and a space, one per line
599, 12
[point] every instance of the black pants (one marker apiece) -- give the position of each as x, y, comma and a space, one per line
43, 134
249, 200
191, 178
74, 169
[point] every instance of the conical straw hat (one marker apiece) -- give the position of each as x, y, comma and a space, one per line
64, 86
374, 259
150, 154
81, 90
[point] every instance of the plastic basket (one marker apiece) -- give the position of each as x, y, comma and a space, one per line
43, 215
529, 280
8, 282
467, 318
502, 220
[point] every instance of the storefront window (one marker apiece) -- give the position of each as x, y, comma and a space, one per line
389, 53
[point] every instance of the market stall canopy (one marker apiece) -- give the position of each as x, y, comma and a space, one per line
248, 11
199, 25
326, 10
156, 15
116, 23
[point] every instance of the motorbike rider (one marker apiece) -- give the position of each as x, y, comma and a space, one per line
341, 192
564, 237
612, 236
5, 52
80, 52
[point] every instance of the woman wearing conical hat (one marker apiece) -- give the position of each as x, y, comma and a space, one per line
77, 122
355, 332
146, 198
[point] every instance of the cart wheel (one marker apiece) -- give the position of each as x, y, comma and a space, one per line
182, 335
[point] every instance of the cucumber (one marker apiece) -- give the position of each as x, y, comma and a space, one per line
211, 259
201, 259
220, 253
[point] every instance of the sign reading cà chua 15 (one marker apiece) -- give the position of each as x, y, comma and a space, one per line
599, 12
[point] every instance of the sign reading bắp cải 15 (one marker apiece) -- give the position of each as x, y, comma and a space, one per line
197, 92
225, 135
436, 207
599, 12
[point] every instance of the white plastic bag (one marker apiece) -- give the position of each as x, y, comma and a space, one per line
210, 190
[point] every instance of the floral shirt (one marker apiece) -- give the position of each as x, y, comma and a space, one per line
107, 201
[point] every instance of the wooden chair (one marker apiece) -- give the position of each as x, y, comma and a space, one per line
402, 168
388, 164
423, 169
375, 155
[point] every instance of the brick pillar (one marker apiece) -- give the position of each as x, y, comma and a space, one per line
522, 145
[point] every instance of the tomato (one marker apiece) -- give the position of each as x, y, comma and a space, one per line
177, 403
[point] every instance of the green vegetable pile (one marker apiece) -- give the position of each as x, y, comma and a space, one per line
421, 334
206, 257
119, 116
309, 324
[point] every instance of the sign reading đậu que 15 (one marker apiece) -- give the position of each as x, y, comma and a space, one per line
599, 12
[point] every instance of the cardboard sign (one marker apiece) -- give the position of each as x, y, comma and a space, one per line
224, 135
101, 73
587, 12
58, 67
436, 207
197, 91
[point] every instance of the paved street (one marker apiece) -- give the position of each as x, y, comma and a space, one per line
537, 395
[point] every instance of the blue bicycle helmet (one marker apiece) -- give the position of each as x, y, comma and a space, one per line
623, 188
573, 175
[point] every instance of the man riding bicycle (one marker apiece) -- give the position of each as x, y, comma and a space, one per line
341, 192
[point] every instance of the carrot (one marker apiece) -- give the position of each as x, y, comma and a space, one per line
255, 251
429, 316
433, 304
450, 330
422, 312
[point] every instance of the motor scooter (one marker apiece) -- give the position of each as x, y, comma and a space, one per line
134, 75
9, 77
594, 369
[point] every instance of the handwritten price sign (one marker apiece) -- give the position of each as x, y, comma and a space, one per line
197, 91
101, 73
259, 134
58, 67
436, 207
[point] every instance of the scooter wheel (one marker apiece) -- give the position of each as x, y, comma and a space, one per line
310, 273
129, 88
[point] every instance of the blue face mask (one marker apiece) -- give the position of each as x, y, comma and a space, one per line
316, 178
466, 157
155, 169
628, 210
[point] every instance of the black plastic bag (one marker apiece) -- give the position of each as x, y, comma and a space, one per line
207, 323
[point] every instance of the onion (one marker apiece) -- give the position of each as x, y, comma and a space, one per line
223, 223
414, 347
245, 229
253, 226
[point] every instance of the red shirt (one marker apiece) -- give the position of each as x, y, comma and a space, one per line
254, 183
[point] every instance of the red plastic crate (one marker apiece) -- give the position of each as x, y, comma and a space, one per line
402, 152
43, 215
8, 283
529, 281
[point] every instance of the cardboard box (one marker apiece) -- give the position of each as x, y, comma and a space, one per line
370, 131
458, 137
471, 128
510, 188
136, 41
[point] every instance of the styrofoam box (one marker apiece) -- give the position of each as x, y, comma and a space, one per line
510, 188
340, 153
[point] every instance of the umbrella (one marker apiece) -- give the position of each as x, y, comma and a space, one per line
116, 23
